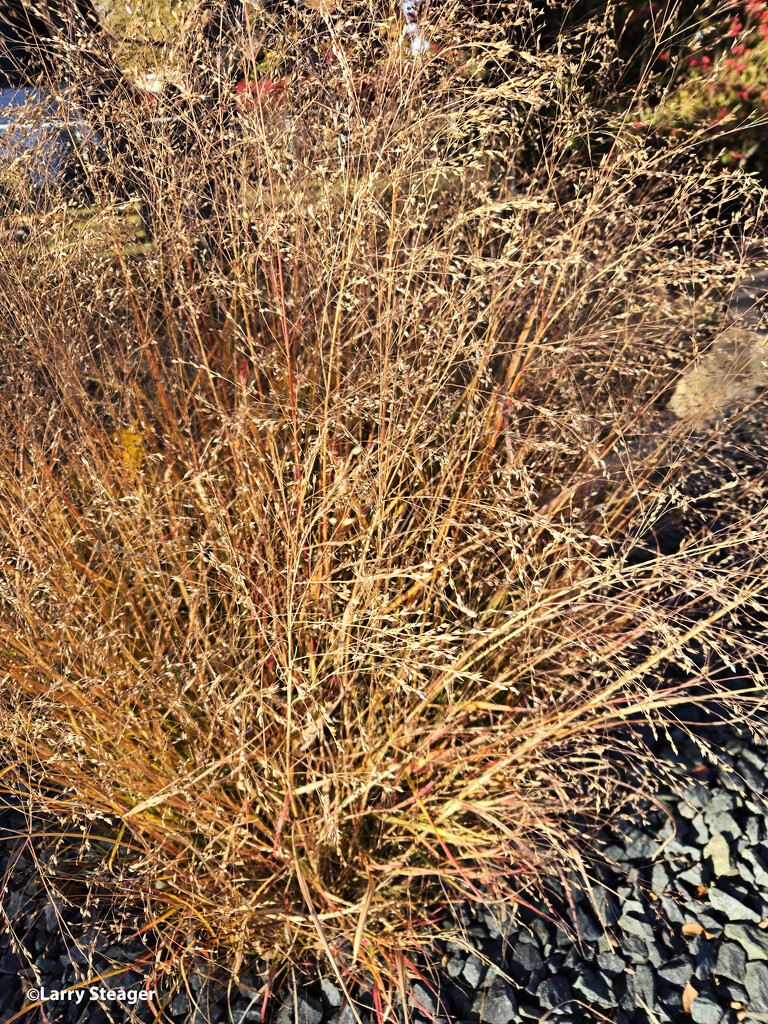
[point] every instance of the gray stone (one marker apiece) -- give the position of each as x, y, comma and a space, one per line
455, 965
746, 873
705, 958
722, 802
611, 964
731, 962
710, 921
306, 1011
718, 849
693, 876
474, 970
594, 989
332, 995
659, 879
755, 830
604, 905
586, 928
180, 1004
535, 979
553, 992
672, 910
697, 794
751, 756
52, 914
733, 908
757, 804
702, 832
492, 923
756, 984
425, 996
346, 1015
753, 940
730, 780
643, 985
680, 850
677, 971
656, 953
726, 824
243, 1013
529, 956
736, 993
642, 848
495, 1002
754, 777
543, 934
634, 922
704, 1010
757, 860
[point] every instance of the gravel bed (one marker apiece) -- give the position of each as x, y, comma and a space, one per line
673, 927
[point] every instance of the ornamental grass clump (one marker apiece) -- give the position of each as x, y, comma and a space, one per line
320, 604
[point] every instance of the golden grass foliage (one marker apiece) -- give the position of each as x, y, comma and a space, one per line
315, 604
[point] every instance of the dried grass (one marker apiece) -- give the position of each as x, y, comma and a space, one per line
315, 598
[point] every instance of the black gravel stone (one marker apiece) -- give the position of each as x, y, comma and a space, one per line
731, 906
642, 985
756, 984
594, 989
672, 910
586, 927
697, 794
705, 1010
731, 962
704, 957
757, 858
553, 991
535, 979
604, 906
610, 964
753, 777
656, 953
678, 971
421, 995
635, 948
735, 993
556, 960
306, 1011
473, 971
10, 992
753, 940
528, 955
495, 1003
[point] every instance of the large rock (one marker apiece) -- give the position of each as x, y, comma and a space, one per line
728, 374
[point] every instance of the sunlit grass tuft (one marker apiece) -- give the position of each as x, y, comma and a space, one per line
315, 596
